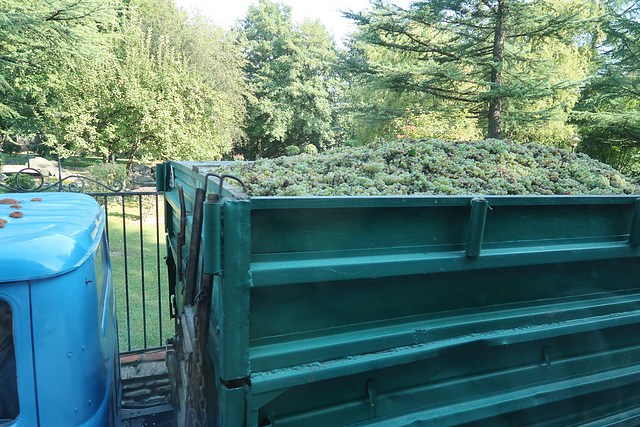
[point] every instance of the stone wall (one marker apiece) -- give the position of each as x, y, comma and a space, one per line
145, 379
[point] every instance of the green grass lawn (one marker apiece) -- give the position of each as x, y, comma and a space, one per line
145, 300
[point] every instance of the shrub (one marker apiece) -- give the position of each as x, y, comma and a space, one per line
291, 150
310, 149
24, 182
107, 174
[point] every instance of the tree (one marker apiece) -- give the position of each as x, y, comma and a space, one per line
608, 114
146, 101
211, 55
39, 39
478, 53
289, 72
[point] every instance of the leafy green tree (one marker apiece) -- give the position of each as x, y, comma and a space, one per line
488, 56
38, 40
289, 72
419, 124
144, 102
210, 54
608, 114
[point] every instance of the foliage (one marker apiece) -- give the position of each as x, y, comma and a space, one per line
498, 58
369, 108
20, 182
39, 39
291, 150
608, 115
433, 167
146, 102
289, 74
108, 174
418, 124
309, 149
624, 157
210, 54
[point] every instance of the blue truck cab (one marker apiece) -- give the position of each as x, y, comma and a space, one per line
59, 363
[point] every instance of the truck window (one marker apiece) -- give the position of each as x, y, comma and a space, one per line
9, 408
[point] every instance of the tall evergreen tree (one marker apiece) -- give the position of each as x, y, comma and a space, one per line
480, 53
608, 114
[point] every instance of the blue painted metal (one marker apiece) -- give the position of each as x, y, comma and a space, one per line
54, 236
17, 295
56, 276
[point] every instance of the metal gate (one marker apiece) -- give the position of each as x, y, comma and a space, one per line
135, 230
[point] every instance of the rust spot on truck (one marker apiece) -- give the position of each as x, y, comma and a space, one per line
16, 214
9, 202
36, 199
16, 206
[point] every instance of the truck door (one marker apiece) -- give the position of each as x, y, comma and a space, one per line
18, 406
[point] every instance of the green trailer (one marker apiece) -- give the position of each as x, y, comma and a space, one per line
384, 311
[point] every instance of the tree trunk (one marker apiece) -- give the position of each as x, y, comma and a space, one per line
495, 99
132, 153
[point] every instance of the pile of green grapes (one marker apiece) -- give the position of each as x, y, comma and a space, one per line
432, 167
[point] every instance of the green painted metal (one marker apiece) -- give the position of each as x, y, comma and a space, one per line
213, 237
453, 310
233, 293
634, 236
476, 226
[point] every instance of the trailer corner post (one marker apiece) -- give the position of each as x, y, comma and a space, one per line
634, 235
477, 222
234, 292
212, 235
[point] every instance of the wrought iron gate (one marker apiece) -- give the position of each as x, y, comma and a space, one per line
135, 230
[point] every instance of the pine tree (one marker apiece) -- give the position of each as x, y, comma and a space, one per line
478, 53
38, 38
608, 114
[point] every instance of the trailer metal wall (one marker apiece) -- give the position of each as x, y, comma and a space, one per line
401, 310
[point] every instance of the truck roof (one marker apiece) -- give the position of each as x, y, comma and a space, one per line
46, 234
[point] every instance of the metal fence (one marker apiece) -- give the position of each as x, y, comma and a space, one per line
135, 230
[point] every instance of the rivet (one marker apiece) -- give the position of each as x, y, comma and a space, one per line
69, 355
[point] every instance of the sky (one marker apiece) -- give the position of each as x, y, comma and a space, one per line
226, 12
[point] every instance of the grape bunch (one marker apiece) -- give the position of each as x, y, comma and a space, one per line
432, 167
